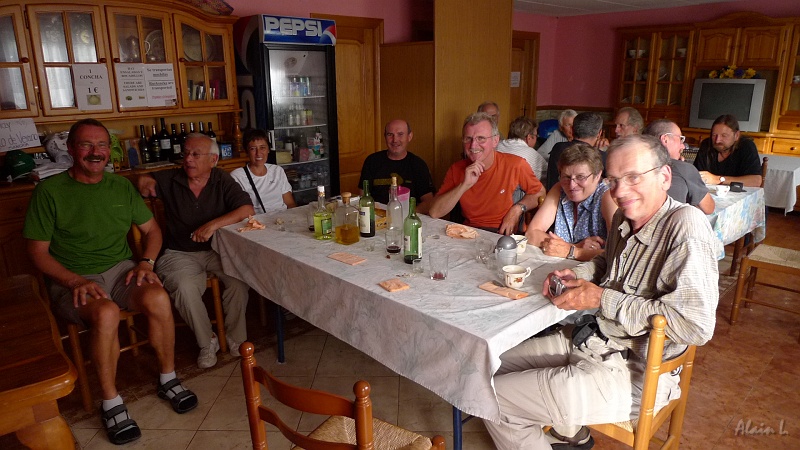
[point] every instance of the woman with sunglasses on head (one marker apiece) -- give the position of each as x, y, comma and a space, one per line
578, 208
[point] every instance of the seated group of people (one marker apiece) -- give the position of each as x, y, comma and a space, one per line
78, 221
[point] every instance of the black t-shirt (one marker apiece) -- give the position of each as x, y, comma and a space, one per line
743, 161
411, 172
687, 186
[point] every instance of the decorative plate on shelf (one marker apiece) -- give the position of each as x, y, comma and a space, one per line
192, 49
662, 73
154, 46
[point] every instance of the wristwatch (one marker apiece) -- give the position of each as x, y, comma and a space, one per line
721, 180
571, 254
522, 206
152, 262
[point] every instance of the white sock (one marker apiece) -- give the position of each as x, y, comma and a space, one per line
166, 377
108, 404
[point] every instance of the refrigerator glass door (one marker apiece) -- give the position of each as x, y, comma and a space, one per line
300, 119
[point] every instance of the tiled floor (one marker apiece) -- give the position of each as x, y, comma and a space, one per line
748, 372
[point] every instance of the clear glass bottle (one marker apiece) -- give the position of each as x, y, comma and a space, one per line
366, 215
412, 234
346, 222
322, 217
394, 209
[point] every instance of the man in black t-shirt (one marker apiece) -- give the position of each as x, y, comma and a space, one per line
411, 170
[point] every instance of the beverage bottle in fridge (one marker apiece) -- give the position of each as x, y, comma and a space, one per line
322, 217
366, 215
346, 222
412, 234
144, 147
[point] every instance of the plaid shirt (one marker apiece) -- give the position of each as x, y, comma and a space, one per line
669, 267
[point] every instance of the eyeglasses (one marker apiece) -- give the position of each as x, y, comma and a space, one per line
683, 138
194, 155
479, 139
631, 179
86, 146
580, 179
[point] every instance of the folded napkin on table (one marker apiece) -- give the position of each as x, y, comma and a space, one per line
456, 230
347, 258
513, 294
393, 285
252, 224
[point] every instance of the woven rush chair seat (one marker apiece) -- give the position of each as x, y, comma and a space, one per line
773, 259
387, 436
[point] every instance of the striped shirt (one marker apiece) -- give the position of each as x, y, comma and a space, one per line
669, 267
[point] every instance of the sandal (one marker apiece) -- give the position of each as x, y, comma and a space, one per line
123, 431
183, 401
578, 441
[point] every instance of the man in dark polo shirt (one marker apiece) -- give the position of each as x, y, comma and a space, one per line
198, 200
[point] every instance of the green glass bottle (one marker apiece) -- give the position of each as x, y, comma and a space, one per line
412, 234
323, 219
366, 214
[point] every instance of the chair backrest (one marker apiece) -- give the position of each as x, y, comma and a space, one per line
648, 423
764, 165
306, 400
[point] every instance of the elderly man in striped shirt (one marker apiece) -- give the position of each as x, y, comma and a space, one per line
659, 259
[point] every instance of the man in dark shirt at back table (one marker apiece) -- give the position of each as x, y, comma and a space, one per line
411, 170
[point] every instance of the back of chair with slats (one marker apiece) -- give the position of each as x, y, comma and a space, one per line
648, 423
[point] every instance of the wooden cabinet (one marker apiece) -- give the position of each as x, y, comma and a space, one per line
762, 46
203, 51
16, 81
13, 255
789, 119
786, 147
716, 47
637, 53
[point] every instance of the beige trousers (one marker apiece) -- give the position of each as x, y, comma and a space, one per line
547, 381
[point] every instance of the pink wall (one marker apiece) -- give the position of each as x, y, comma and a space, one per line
396, 13
577, 66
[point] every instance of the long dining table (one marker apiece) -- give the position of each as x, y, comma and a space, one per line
737, 214
446, 335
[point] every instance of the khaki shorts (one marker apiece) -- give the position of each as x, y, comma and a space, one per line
113, 283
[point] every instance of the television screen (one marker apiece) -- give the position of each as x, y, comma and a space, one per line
719, 99
714, 97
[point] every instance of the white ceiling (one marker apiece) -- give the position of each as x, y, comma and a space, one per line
560, 8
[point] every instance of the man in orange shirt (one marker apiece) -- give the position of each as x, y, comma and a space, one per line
484, 184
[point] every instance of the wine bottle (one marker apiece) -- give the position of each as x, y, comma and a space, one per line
412, 234
175, 142
155, 147
191, 128
394, 209
182, 136
202, 131
346, 222
367, 214
322, 217
144, 147
164, 142
211, 133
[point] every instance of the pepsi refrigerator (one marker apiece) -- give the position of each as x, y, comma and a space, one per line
287, 86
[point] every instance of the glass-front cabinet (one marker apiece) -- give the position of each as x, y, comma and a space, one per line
202, 53
672, 71
635, 69
70, 59
16, 85
790, 110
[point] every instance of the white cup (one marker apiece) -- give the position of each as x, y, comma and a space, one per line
514, 275
522, 243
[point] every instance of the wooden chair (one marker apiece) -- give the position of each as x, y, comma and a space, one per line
747, 242
640, 432
350, 427
773, 259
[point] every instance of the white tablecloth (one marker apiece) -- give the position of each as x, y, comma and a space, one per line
445, 335
739, 213
783, 177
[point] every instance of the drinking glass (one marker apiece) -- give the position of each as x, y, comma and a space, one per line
438, 261
394, 241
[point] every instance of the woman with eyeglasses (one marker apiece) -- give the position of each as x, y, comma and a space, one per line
267, 185
578, 209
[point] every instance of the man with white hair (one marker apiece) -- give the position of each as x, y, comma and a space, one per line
562, 134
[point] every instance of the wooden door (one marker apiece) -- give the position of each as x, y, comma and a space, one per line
357, 85
525, 62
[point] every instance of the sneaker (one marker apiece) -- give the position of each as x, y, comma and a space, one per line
581, 440
208, 355
233, 348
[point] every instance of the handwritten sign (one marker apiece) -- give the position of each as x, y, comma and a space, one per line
146, 85
161, 85
18, 133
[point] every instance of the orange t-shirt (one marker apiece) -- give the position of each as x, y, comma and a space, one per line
487, 202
